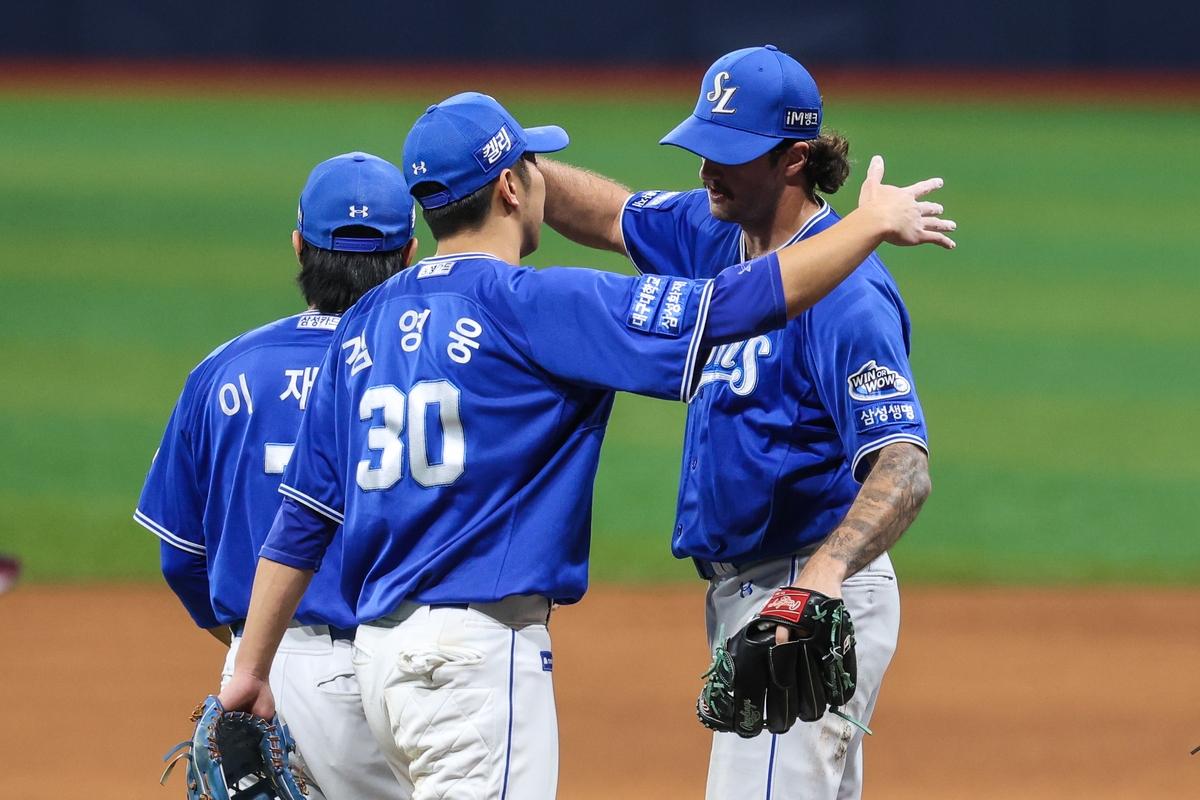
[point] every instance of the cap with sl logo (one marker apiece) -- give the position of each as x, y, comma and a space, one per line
356, 189
750, 101
465, 141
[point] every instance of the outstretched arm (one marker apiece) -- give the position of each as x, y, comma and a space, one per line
813, 267
583, 206
803, 273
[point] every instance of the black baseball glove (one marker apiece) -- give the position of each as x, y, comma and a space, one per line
755, 683
233, 755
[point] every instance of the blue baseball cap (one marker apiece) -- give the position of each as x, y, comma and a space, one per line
750, 101
356, 189
465, 141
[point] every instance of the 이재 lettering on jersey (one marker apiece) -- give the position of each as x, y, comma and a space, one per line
873, 416
300, 381
737, 364
359, 359
875, 382
494, 148
646, 298
322, 322
231, 401
670, 313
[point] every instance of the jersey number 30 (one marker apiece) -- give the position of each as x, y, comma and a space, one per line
400, 412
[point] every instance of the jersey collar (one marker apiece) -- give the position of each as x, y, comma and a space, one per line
461, 256
807, 227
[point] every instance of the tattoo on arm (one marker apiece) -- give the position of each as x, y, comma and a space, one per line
889, 501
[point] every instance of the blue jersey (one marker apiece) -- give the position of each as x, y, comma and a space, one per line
456, 424
213, 488
778, 434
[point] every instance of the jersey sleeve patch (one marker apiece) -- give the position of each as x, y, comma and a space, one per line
879, 414
669, 321
650, 199
647, 297
874, 381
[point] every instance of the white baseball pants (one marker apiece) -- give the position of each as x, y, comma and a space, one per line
821, 760
461, 699
317, 697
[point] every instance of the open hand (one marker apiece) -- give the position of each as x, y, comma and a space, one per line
245, 692
907, 220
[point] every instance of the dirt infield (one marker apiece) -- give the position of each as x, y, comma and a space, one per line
993, 694
645, 83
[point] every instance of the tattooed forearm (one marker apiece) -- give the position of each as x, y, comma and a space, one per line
887, 504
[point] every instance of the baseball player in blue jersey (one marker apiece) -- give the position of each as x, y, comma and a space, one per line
805, 449
454, 430
213, 488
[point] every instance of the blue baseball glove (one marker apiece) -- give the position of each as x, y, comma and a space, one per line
233, 755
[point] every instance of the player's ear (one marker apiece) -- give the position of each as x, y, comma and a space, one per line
506, 188
795, 159
407, 252
296, 243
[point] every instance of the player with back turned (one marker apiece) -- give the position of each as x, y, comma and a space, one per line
805, 450
213, 488
455, 429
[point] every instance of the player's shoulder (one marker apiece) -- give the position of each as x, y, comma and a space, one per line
308, 331
660, 201
691, 205
461, 274
869, 292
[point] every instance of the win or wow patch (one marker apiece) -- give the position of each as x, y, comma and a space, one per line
646, 299
880, 414
876, 382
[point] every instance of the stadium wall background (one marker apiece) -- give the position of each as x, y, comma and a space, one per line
1153, 34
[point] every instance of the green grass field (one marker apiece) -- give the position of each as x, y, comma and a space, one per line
1056, 351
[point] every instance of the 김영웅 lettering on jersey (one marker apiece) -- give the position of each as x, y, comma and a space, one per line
456, 423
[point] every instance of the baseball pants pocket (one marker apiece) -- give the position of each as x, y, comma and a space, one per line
467, 711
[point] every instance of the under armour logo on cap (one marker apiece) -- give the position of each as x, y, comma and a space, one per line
358, 211
419, 169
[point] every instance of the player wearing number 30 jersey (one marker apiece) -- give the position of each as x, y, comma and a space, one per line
455, 429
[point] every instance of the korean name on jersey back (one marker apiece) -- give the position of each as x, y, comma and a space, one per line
873, 381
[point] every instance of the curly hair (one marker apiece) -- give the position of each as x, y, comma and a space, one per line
828, 164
